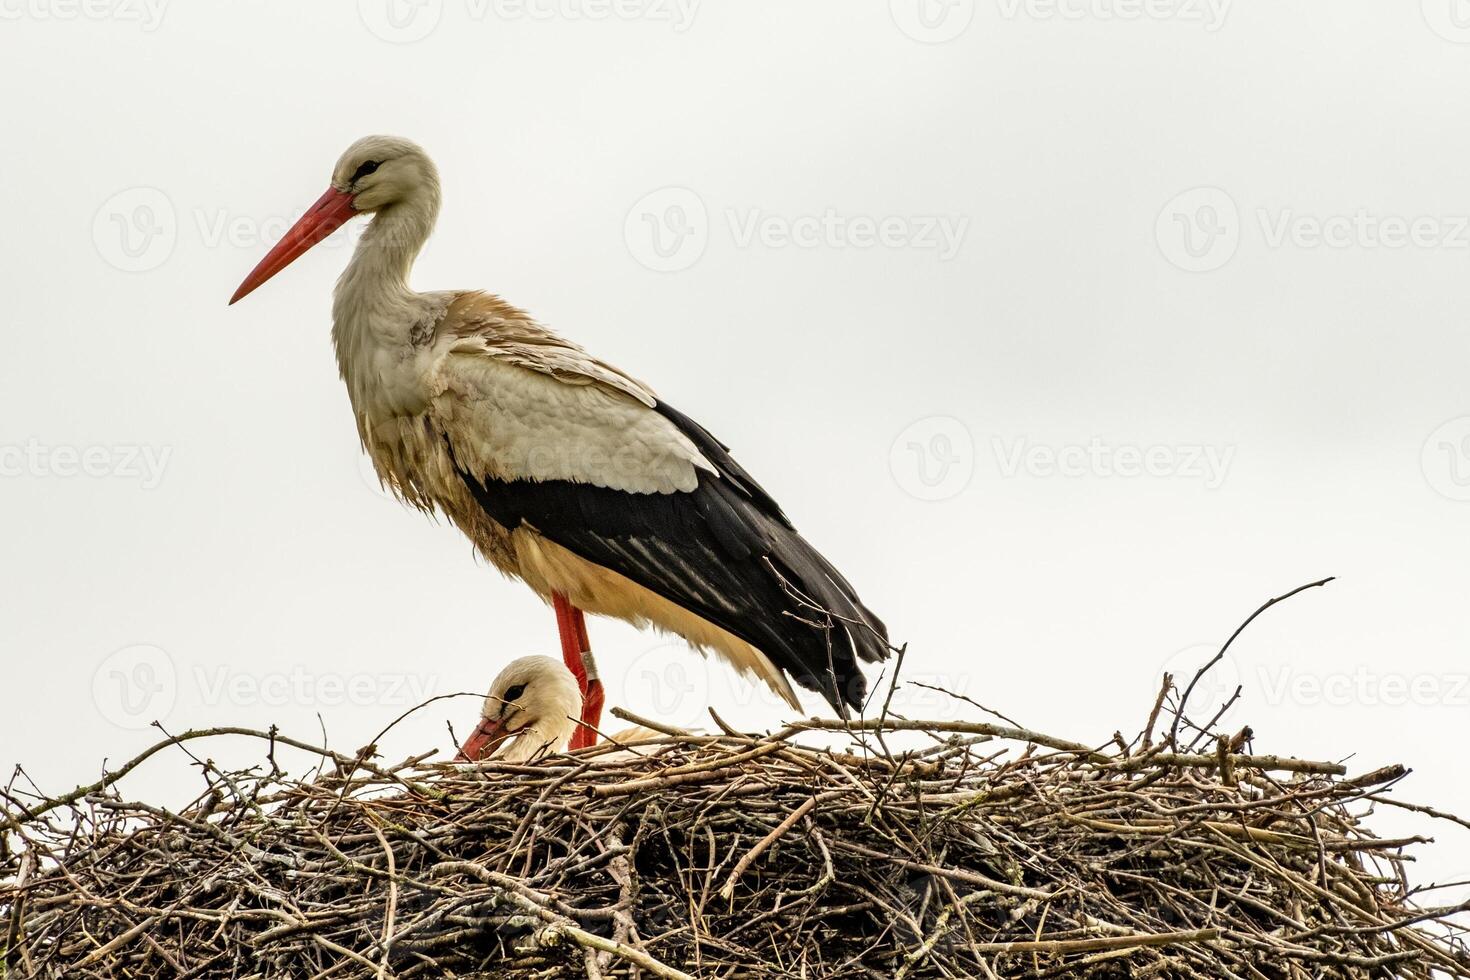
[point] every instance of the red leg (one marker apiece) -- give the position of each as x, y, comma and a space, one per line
576, 651
571, 640
592, 695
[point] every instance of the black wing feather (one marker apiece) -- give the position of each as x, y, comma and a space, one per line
724, 551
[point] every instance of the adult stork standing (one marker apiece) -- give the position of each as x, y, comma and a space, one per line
565, 472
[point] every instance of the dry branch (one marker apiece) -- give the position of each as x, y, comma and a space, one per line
990, 851
723, 856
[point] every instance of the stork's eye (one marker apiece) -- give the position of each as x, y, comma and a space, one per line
370, 167
515, 692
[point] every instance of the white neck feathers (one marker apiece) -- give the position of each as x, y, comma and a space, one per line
373, 307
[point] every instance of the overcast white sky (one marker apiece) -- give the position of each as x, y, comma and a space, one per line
1071, 330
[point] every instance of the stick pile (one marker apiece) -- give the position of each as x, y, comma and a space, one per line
980, 850
730, 855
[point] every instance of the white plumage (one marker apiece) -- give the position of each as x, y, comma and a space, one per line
505, 420
565, 472
531, 712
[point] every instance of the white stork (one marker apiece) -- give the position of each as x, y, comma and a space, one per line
531, 712
565, 472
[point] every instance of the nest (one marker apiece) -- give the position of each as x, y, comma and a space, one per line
895, 849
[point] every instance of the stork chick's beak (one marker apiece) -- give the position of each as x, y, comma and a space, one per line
482, 741
331, 211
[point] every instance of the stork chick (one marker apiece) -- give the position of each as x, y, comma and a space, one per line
530, 712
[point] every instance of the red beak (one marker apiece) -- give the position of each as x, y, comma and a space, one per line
331, 211
482, 741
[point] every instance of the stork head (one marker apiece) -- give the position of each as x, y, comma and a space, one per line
375, 174
380, 171
531, 710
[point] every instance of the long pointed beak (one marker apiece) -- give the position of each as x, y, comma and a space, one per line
331, 211
482, 741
